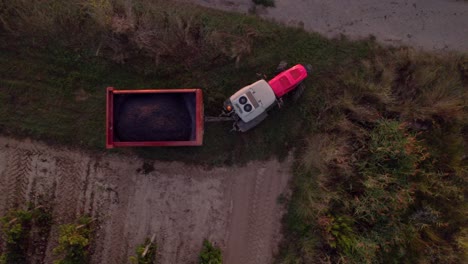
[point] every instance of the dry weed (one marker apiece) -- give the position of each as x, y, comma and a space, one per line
429, 87
329, 154
235, 47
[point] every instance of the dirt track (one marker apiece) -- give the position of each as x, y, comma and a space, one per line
436, 25
236, 208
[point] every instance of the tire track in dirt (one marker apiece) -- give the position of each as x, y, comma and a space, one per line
69, 174
17, 178
254, 231
258, 210
40, 193
108, 205
4, 158
21, 178
68, 188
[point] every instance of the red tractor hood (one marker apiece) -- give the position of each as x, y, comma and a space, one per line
286, 81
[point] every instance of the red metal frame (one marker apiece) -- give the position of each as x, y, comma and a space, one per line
110, 143
288, 80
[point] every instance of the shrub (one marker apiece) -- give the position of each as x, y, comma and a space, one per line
210, 254
16, 232
339, 232
145, 253
16, 226
74, 241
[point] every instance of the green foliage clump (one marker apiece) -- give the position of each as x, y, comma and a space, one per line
74, 241
16, 225
343, 234
16, 232
145, 253
210, 254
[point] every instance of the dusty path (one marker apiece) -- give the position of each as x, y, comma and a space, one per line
428, 24
236, 208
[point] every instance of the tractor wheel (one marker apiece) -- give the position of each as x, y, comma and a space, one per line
282, 66
297, 93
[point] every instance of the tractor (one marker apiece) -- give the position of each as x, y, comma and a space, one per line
249, 106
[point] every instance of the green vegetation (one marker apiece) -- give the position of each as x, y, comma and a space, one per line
210, 254
15, 228
16, 232
383, 176
145, 253
74, 241
380, 134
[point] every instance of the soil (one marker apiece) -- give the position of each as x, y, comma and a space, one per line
152, 117
235, 207
430, 24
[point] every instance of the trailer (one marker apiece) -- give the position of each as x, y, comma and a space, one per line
154, 118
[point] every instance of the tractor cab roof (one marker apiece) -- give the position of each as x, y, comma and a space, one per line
253, 100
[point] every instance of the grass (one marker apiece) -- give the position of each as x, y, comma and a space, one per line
382, 177
380, 134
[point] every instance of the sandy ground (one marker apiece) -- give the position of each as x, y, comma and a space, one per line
236, 207
438, 25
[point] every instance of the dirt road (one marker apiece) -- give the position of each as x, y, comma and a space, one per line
236, 207
428, 24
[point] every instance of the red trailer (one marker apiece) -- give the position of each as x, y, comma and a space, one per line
154, 117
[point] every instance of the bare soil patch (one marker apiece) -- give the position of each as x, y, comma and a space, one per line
431, 24
234, 207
